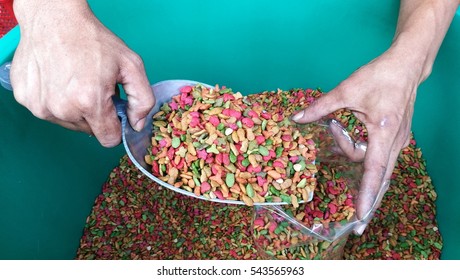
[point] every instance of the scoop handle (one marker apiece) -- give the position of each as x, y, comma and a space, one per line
120, 106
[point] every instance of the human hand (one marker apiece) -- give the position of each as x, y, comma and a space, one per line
381, 94
67, 67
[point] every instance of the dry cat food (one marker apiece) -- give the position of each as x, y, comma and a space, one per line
218, 144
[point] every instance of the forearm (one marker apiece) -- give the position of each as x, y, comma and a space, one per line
422, 26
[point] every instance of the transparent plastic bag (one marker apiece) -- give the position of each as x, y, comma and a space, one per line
320, 228
5, 76
286, 238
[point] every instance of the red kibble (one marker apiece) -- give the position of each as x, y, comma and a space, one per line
259, 222
228, 97
317, 214
194, 122
260, 139
266, 115
202, 154
294, 159
248, 122
232, 113
272, 227
332, 190
219, 194
252, 114
226, 159
348, 202
261, 181
214, 120
181, 163
233, 126
254, 169
155, 168
278, 163
205, 187
286, 137
240, 166
332, 208
218, 159
186, 89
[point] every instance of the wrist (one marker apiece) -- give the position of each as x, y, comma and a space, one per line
42, 15
414, 56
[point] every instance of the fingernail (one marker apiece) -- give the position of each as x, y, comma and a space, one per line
139, 125
360, 229
298, 116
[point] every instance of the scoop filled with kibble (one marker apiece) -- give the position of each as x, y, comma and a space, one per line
218, 145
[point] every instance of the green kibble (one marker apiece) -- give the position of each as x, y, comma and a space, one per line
175, 143
302, 183
264, 124
263, 151
197, 182
311, 166
268, 142
286, 198
245, 162
212, 149
219, 102
253, 145
232, 157
278, 230
226, 90
221, 127
279, 151
250, 190
290, 169
196, 94
274, 191
230, 179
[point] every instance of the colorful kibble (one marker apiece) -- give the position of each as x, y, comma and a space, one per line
234, 135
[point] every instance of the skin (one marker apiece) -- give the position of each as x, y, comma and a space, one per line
382, 95
67, 66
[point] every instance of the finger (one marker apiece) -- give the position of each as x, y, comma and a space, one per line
376, 199
139, 92
374, 182
346, 145
104, 123
323, 106
82, 125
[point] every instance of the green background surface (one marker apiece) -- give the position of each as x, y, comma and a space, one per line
50, 176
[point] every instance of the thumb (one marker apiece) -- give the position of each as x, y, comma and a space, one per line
140, 95
326, 104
